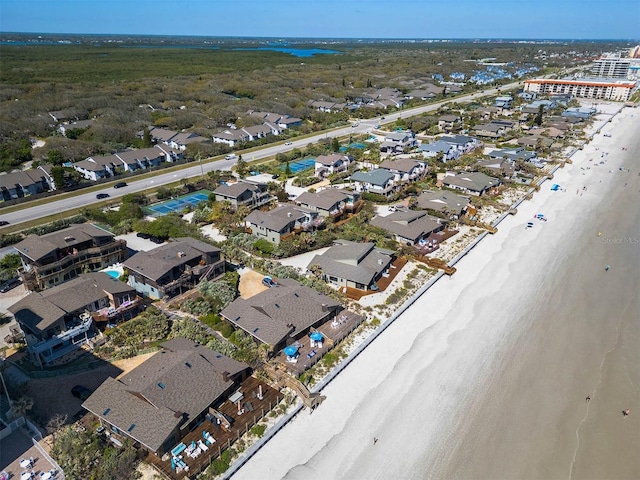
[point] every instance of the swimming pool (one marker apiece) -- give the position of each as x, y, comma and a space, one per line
112, 273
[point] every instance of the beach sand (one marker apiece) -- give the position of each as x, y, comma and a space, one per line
486, 375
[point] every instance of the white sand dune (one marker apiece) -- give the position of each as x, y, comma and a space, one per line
485, 375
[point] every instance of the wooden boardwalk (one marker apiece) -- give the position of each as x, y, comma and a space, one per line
254, 410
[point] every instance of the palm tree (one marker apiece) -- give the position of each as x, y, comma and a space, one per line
22, 405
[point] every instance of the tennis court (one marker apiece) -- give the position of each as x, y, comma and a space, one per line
177, 204
301, 165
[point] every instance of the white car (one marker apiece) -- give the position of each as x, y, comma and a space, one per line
355, 125
288, 143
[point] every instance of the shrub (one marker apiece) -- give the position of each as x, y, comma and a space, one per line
264, 246
258, 430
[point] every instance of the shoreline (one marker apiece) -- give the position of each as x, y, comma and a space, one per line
538, 198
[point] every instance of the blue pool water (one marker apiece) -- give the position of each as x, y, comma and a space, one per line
113, 273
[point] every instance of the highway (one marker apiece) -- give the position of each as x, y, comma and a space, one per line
61, 204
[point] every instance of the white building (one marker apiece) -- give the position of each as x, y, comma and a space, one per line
607, 89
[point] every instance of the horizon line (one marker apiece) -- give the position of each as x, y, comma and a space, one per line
541, 39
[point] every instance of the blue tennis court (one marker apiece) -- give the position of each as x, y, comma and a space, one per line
301, 165
177, 204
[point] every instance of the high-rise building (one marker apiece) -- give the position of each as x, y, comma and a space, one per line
606, 89
611, 67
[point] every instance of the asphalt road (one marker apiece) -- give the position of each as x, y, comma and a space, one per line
60, 204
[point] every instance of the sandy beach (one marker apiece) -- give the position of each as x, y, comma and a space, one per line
486, 375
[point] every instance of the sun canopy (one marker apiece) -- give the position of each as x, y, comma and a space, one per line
316, 336
290, 351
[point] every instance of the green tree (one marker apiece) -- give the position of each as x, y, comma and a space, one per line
54, 157
287, 170
538, 119
147, 139
242, 168
335, 144
58, 176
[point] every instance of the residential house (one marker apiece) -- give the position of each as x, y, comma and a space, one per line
282, 121
133, 160
447, 123
474, 183
379, 181
445, 202
493, 129
517, 153
528, 96
99, 167
330, 202
503, 167
534, 107
61, 116
580, 112
353, 264
463, 143
333, 163
162, 135
434, 149
281, 315
488, 113
405, 169
504, 102
535, 141
243, 193
22, 184
174, 267
327, 107
231, 137
47, 176
77, 125
408, 226
279, 223
398, 141
159, 402
182, 140
54, 258
59, 320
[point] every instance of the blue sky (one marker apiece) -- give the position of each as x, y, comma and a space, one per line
591, 19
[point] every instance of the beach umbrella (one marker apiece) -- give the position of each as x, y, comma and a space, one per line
316, 336
290, 351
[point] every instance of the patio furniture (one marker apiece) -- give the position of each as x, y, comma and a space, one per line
27, 475
45, 475
202, 446
236, 396
25, 463
177, 450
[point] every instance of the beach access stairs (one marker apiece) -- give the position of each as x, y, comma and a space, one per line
283, 379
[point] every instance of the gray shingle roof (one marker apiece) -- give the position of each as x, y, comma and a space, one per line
26, 178
157, 262
356, 262
234, 190
379, 177
329, 160
409, 224
404, 165
442, 201
272, 315
475, 181
39, 310
37, 246
171, 388
278, 218
325, 199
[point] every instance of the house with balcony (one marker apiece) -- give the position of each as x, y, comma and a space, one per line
446, 150
448, 123
244, 193
504, 102
160, 401
54, 258
75, 125
447, 203
409, 226
514, 154
474, 183
379, 181
173, 268
405, 169
462, 143
330, 202
397, 142
276, 119
493, 129
281, 315
327, 107
282, 222
352, 264
98, 167
231, 137
59, 320
22, 184
325, 165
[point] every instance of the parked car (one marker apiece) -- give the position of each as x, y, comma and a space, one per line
10, 284
100, 196
120, 185
143, 235
81, 392
3, 223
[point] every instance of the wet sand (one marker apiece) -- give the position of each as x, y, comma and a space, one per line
486, 375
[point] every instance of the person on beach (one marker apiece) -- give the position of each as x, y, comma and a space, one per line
625, 413
607, 268
375, 440
588, 398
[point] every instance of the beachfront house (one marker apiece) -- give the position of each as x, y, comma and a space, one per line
448, 123
174, 267
408, 226
59, 320
504, 102
474, 183
159, 402
405, 170
279, 316
398, 142
352, 264
442, 149
463, 143
447, 203
54, 258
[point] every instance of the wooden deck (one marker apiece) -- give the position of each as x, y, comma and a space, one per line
383, 283
254, 410
333, 331
434, 240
